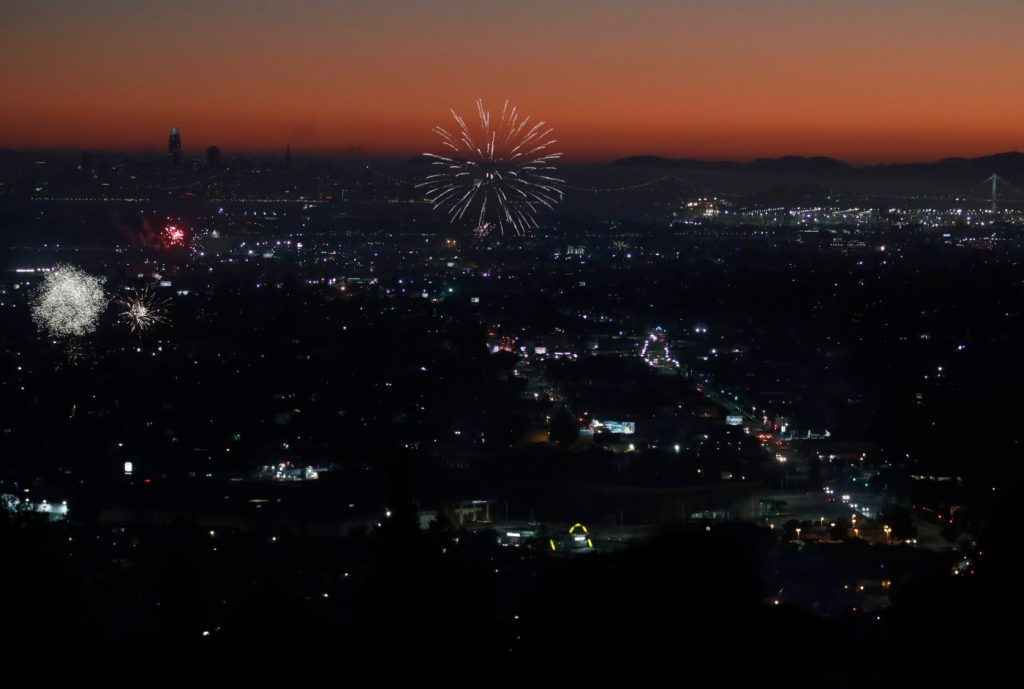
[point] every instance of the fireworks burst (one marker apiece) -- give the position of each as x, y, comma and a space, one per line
172, 237
141, 310
68, 302
498, 173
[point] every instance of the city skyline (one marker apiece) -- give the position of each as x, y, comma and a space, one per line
878, 82
200, 150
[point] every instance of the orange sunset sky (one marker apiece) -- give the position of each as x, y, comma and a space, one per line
863, 81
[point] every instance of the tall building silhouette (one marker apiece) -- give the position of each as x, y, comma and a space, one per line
174, 146
213, 156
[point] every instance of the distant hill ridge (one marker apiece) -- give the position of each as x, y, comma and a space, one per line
1009, 164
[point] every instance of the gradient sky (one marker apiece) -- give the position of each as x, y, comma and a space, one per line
871, 80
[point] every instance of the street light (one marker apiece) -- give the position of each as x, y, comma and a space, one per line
798, 533
888, 530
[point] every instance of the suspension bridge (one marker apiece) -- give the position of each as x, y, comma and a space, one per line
994, 190
668, 181
991, 187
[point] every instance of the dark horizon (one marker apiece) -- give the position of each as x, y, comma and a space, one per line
315, 154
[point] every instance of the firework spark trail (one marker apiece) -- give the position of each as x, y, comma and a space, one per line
141, 310
68, 302
500, 171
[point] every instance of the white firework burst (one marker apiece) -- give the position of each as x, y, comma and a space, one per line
68, 302
141, 310
497, 174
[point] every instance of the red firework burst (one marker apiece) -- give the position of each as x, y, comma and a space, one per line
172, 236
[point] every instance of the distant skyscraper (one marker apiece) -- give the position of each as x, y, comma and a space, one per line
288, 157
174, 146
213, 156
